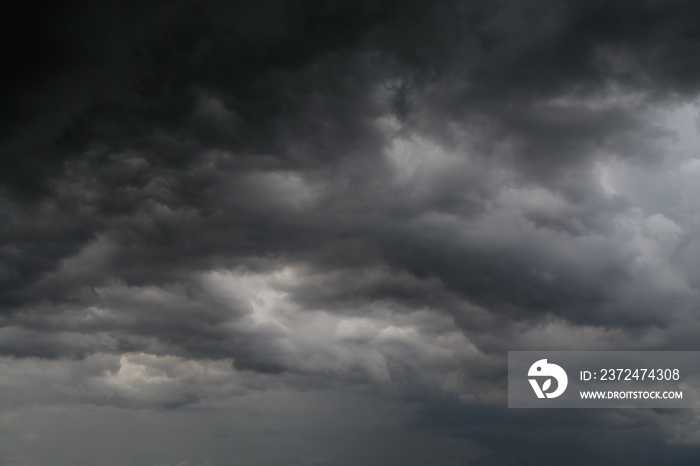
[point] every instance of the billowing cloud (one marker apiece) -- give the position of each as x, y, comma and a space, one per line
216, 208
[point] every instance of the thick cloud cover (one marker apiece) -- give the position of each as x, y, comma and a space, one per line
320, 226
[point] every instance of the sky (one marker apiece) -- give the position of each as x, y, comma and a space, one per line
308, 233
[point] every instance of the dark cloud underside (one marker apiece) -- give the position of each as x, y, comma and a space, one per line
203, 203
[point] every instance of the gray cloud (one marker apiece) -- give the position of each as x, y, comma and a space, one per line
368, 201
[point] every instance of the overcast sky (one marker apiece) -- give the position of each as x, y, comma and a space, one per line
307, 233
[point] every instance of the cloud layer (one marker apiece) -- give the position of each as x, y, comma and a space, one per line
208, 206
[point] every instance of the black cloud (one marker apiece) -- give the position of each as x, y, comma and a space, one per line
381, 196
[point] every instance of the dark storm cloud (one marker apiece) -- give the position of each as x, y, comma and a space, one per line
383, 194
249, 136
150, 60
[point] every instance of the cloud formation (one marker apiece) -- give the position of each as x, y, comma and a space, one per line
368, 201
